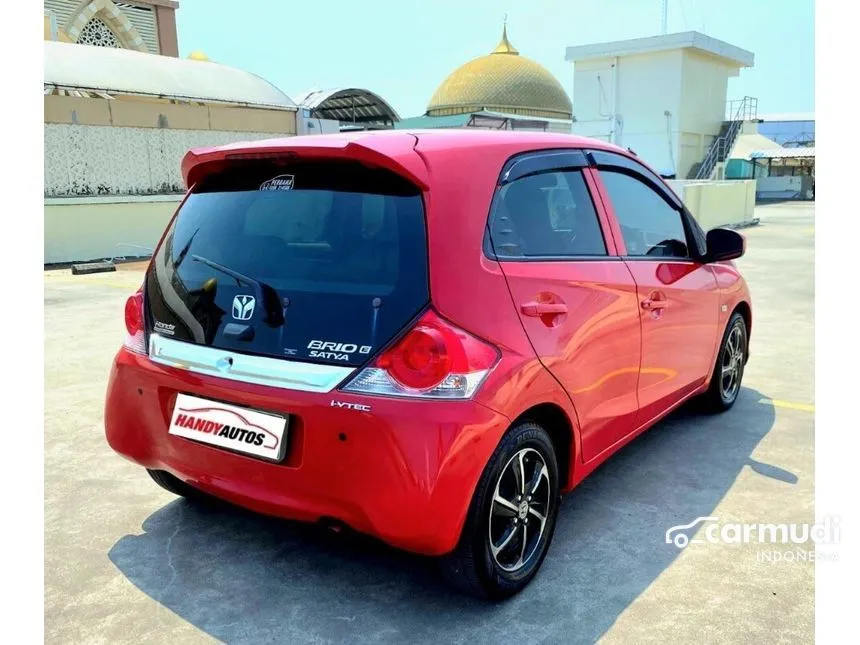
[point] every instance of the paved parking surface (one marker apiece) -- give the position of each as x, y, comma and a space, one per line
126, 562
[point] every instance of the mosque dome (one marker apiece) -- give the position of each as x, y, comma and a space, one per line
501, 81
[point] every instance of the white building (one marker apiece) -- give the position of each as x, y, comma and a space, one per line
662, 96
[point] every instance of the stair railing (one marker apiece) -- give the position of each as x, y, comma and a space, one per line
747, 110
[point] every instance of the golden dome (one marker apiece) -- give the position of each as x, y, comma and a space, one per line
502, 81
198, 55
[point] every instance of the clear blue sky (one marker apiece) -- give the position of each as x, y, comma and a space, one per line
403, 49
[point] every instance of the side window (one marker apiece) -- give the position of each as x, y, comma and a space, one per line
649, 225
545, 215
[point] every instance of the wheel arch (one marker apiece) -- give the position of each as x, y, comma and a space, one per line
558, 425
744, 309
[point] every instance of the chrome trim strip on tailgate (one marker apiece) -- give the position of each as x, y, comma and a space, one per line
274, 372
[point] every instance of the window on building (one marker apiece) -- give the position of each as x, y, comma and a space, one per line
98, 34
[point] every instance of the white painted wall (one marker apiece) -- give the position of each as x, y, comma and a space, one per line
625, 100
786, 187
704, 84
91, 228
594, 98
95, 160
305, 124
718, 203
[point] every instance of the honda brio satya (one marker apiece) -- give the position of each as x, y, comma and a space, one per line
423, 336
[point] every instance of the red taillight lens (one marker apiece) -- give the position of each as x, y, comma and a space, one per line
136, 340
435, 359
420, 360
134, 313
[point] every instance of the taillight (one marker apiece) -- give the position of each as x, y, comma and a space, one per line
135, 341
435, 359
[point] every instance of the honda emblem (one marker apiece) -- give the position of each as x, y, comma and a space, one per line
243, 307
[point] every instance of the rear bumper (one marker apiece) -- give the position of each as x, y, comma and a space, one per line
404, 472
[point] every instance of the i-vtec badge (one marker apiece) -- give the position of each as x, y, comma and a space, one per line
335, 351
350, 406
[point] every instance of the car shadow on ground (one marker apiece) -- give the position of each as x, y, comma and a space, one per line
244, 578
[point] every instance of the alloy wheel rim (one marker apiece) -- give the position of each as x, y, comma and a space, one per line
732, 365
520, 509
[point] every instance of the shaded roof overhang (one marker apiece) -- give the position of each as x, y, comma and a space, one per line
348, 105
787, 116
784, 153
478, 119
92, 70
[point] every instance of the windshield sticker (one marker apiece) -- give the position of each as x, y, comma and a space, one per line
281, 182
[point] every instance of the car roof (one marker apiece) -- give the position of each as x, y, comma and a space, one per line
477, 136
455, 136
395, 146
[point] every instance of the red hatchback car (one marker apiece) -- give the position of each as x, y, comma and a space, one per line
427, 336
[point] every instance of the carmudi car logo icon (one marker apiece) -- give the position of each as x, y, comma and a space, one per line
243, 307
675, 535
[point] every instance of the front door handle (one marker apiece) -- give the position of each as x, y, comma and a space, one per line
536, 309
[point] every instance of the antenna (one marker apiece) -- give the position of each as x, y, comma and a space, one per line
665, 16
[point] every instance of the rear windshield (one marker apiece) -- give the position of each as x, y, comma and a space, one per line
317, 261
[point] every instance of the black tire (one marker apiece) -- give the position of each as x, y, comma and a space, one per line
717, 399
472, 566
178, 487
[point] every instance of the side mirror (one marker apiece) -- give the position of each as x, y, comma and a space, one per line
724, 244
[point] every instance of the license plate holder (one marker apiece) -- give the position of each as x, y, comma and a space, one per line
231, 427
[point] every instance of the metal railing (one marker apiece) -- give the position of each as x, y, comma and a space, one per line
745, 109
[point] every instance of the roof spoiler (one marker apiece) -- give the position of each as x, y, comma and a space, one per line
393, 152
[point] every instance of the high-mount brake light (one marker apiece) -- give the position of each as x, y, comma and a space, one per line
435, 359
135, 341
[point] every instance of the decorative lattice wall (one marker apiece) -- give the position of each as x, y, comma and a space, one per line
104, 160
97, 33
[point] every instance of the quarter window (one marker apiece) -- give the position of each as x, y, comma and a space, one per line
649, 225
545, 215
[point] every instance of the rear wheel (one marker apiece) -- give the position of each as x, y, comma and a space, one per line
178, 487
729, 368
511, 518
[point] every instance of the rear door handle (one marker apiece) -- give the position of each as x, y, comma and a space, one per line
543, 308
652, 305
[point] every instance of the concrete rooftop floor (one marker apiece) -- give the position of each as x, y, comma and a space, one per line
126, 562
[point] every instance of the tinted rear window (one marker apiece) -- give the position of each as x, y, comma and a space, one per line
321, 261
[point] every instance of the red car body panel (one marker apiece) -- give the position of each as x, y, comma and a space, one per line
688, 298
407, 470
406, 476
669, 372
594, 349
